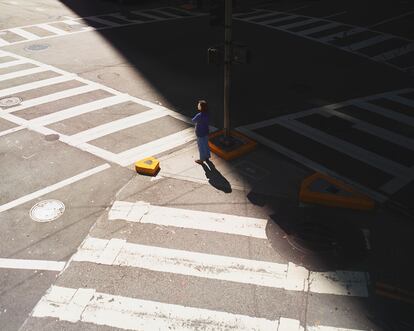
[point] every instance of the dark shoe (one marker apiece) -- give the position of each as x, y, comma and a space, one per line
199, 161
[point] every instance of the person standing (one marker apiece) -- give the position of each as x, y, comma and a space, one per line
202, 131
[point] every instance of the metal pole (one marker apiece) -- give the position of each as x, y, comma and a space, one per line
227, 64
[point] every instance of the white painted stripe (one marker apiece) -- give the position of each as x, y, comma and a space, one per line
72, 22
394, 53
319, 28
327, 328
261, 273
31, 264
136, 314
52, 29
15, 129
404, 101
311, 164
25, 34
161, 12
3, 42
103, 21
389, 19
372, 159
34, 85
386, 113
51, 97
396, 184
259, 15
368, 42
339, 35
280, 19
22, 73
53, 187
156, 147
78, 110
294, 25
11, 63
335, 14
132, 20
146, 213
115, 126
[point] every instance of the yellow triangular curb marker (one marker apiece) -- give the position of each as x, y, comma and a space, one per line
148, 166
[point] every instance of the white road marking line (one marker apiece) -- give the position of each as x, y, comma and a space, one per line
11, 63
51, 97
280, 19
261, 14
386, 112
77, 304
261, 273
3, 42
391, 19
370, 158
127, 19
327, 26
288, 324
339, 35
136, 314
402, 100
294, 25
160, 11
34, 85
15, 129
25, 34
115, 126
327, 328
394, 53
368, 42
31, 264
52, 29
53, 187
78, 110
397, 183
158, 18
21, 73
103, 21
311, 164
335, 14
156, 146
146, 213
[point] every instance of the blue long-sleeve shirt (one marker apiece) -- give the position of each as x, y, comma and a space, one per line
201, 124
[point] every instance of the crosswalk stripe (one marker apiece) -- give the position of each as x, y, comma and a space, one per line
156, 147
342, 34
51, 28
90, 306
15, 129
294, 25
136, 314
394, 53
52, 97
32, 264
280, 19
22, 73
319, 28
143, 212
34, 85
387, 113
3, 42
11, 63
402, 100
78, 110
115, 126
103, 21
25, 34
368, 42
284, 276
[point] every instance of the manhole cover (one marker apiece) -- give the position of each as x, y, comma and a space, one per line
52, 137
47, 210
313, 237
37, 47
10, 102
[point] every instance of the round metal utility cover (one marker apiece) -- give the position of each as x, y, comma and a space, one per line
37, 47
10, 102
47, 210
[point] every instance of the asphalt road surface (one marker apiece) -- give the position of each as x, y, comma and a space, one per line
87, 89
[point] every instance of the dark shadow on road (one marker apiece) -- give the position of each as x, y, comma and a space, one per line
215, 178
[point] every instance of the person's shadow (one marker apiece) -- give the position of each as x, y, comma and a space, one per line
215, 178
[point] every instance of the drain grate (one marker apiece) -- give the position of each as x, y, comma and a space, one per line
37, 47
313, 237
10, 102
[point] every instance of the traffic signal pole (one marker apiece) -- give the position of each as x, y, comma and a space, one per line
227, 64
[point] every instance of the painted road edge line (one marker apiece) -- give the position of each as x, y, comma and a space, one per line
291, 277
53, 187
32, 264
143, 212
89, 306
